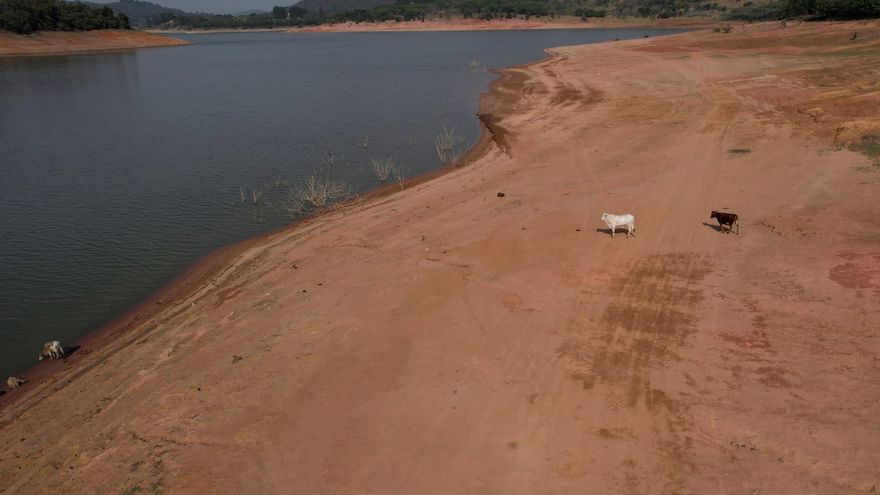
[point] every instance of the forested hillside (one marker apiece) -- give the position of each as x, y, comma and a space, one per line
315, 12
27, 16
334, 6
367, 10
140, 13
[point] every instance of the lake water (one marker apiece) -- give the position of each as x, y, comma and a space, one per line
118, 170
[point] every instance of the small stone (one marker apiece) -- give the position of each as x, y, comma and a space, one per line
500, 194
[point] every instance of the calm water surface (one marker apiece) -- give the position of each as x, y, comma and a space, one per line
119, 170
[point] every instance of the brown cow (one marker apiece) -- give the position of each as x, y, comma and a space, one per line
728, 219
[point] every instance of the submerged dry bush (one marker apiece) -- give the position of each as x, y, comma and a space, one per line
255, 197
317, 193
400, 173
294, 199
449, 145
382, 167
311, 194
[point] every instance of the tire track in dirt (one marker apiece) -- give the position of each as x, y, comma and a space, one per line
644, 326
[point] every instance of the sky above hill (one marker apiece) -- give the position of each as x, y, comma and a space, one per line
218, 6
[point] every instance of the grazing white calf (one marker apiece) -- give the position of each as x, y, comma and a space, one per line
51, 350
614, 221
13, 382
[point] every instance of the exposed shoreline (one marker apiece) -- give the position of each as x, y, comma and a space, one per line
512, 24
443, 339
200, 273
68, 43
474, 25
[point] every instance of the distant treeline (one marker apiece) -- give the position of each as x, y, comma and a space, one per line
27, 16
415, 10
139, 12
217, 21
807, 9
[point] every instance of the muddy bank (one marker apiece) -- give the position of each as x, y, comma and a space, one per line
53, 43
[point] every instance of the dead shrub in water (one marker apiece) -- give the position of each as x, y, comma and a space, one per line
316, 193
400, 175
449, 145
382, 167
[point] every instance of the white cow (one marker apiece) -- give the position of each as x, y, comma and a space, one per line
13, 382
51, 350
615, 221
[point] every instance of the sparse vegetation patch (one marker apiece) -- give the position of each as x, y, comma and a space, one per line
807, 10
869, 145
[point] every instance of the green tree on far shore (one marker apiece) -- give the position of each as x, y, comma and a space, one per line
28, 16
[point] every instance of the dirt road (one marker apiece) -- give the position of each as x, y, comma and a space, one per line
447, 340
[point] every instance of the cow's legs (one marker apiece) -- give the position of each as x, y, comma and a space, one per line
612, 231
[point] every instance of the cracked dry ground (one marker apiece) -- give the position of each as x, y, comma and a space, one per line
446, 340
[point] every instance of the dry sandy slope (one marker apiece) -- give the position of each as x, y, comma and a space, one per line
51, 43
445, 340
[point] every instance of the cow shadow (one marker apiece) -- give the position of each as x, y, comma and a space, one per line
719, 228
69, 351
616, 232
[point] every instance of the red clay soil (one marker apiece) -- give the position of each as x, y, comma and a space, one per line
446, 340
51, 42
